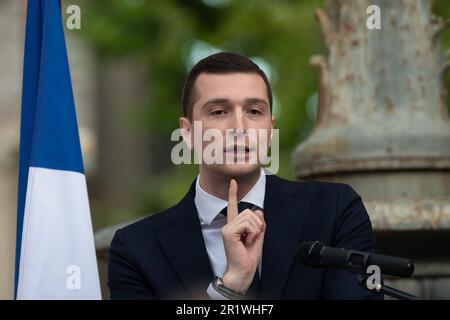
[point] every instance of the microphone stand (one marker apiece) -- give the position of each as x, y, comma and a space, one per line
389, 291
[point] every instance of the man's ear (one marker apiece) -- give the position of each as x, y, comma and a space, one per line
186, 131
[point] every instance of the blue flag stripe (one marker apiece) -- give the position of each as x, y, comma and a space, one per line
56, 142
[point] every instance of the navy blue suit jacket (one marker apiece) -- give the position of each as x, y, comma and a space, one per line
164, 256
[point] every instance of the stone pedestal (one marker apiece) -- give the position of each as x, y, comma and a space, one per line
383, 127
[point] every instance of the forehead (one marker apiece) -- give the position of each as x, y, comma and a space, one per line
233, 86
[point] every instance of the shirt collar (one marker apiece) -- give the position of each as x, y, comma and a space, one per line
209, 206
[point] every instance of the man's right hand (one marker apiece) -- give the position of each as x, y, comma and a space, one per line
243, 238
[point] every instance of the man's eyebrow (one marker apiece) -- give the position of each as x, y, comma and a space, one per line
221, 101
255, 101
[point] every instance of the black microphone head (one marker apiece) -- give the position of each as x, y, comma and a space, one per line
318, 255
308, 253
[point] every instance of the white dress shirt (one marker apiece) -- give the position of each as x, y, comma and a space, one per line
208, 208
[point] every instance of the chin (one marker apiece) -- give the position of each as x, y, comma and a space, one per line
236, 170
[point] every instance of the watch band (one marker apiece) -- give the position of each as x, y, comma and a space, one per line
227, 292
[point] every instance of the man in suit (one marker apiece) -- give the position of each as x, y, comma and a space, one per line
235, 233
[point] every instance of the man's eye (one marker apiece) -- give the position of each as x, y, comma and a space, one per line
217, 112
255, 111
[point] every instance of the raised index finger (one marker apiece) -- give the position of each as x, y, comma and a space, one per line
232, 210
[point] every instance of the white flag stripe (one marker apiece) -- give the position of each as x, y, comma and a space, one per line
57, 254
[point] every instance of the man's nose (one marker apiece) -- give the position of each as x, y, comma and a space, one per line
239, 122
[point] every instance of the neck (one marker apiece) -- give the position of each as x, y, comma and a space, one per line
218, 184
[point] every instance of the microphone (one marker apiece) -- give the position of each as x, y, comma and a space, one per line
316, 254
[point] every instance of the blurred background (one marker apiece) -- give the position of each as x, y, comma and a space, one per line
128, 62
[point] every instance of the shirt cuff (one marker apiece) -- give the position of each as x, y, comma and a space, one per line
213, 294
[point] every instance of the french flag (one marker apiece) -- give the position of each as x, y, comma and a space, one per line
55, 253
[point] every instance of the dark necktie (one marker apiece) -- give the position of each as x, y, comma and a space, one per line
242, 205
252, 292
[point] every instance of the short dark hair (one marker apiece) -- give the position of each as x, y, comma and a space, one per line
219, 63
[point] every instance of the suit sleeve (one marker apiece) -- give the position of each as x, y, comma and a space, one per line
125, 281
352, 230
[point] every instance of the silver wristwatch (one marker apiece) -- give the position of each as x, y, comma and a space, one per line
227, 292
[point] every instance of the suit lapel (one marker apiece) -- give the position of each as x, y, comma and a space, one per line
185, 248
285, 217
